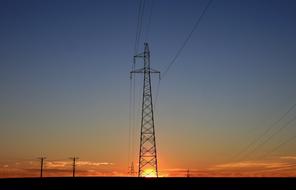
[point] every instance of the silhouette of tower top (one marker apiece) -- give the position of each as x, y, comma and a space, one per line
147, 156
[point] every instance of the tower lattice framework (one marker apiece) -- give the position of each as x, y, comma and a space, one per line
147, 155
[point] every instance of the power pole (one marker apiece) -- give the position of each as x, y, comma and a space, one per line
74, 164
147, 156
41, 165
187, 173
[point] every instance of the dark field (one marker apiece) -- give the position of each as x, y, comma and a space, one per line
85, 183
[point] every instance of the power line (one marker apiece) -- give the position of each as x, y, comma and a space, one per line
132, 117
188, 37
278, 146
271, 136
272, 126
129, 122
137, 30
149, 20
134, 109
139, 24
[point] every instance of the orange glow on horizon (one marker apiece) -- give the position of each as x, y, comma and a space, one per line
149, 173
282, 166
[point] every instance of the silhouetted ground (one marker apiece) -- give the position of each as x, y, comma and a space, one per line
90, 183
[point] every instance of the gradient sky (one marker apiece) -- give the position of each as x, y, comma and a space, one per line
64, 83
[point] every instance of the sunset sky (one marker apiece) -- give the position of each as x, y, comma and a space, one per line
64, 86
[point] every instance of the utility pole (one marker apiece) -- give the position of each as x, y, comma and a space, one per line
41, 165
187, 173
147, 155
74, 164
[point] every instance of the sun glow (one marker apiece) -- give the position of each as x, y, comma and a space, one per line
149, 173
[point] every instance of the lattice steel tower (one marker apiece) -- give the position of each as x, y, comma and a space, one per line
147, 155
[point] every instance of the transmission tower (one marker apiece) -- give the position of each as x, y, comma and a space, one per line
147, 155
132, 170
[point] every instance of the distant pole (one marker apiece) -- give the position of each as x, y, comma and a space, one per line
41, 165
187, 173
74, 164
132, 170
